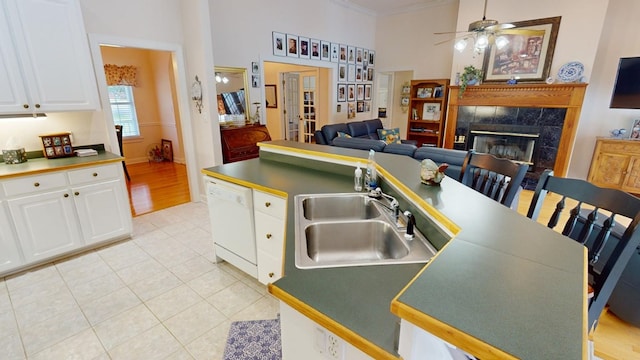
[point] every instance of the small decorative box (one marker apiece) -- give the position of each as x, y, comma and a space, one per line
17, 156
57, 145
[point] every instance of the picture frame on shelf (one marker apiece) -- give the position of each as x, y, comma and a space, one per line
292, 45
334, 52
279, 43
305, 47
423, 93
431, 111
342, 92
351, 92
315, 49
437, 91
271, 96
527, 55
324, 51
634, 134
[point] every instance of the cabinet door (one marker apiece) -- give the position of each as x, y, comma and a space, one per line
46, 224
57, 66
609, 170
13, 95
632, 178
9, 252
103, 211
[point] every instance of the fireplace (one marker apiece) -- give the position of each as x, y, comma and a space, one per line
554, 109
513, 142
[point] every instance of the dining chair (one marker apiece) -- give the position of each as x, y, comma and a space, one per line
596, 222
119, 136
497, 178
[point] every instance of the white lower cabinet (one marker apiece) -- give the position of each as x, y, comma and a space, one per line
269, 216
10, 256
46, 224
61, 212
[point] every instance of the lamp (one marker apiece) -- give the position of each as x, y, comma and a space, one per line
222, 79
481, 40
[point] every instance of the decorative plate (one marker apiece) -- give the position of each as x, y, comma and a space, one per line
571, 71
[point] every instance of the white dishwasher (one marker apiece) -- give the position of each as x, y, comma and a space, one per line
232, 225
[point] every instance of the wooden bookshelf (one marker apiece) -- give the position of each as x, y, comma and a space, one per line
427, 111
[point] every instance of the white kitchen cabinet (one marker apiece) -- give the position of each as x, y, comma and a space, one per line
10, 256
269, 217
60, 212
45, 63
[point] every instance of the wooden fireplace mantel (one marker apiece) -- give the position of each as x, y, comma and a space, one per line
569, 96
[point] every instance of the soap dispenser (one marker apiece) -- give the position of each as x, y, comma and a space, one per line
357, 178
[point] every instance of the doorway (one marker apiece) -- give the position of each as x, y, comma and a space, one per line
163, 110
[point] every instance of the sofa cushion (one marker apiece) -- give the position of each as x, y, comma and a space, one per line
330, 131
372, 127
400, 149
358, 129
390, 136
359, 143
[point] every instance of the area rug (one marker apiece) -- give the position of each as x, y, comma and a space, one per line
254, 340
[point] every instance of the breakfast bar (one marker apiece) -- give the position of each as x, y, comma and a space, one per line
502, 285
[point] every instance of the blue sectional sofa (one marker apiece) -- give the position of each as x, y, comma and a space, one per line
363, 135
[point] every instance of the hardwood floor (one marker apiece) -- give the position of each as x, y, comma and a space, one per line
156, 186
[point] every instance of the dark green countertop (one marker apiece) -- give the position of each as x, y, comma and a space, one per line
42, 165
504, 279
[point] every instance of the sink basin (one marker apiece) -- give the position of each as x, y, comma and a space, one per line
351, 229
354, 240
339, 206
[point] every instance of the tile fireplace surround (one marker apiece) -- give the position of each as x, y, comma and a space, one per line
554, 108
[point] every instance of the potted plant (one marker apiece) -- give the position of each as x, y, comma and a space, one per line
470, 76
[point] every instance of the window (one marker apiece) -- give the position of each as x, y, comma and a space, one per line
123, 108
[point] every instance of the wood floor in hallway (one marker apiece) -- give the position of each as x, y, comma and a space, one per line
157, 185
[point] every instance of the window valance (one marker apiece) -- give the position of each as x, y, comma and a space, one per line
120, 75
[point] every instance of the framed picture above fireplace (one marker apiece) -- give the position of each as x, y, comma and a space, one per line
528, 54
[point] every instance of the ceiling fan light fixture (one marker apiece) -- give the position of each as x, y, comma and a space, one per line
480, 25
501, 42
460, 45
482, 41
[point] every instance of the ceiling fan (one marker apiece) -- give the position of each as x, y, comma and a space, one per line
482, 31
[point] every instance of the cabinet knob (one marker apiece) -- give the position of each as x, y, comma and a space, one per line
95, 174
66, 195
271, 274
76, 193
267, 204
26, 106
268, 236
36, 184
37, 106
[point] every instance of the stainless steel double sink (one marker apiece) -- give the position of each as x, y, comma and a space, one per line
352, 229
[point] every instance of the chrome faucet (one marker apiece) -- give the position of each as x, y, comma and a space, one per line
394, 206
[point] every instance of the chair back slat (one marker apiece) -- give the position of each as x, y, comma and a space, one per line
500, 179
593, 223
553, 220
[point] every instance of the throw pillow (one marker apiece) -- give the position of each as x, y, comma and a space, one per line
390, 136
343, 134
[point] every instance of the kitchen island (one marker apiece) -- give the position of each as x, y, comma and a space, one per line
503, 286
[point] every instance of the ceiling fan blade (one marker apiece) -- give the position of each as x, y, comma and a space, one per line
499, 27
449, 32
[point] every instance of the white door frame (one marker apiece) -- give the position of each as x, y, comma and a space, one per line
95, 40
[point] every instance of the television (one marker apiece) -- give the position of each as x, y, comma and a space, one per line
626, 90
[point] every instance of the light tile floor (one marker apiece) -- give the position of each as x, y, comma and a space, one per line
157, 295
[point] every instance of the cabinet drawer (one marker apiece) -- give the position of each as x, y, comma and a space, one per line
96, 173
269, 268
269, 234
33, 184
269, 204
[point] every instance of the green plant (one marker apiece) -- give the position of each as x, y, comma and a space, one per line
467, 77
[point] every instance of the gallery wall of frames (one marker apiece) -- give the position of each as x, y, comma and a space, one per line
355, 66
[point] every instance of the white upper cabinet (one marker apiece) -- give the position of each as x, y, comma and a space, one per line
45, 63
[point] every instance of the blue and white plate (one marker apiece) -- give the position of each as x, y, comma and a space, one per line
571, 71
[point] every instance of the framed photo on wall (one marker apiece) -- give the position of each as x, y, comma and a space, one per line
271, 96
279, 41
351, 92
305, 47
360, 92
342, 92
315, 49
324, 50
528, 54
342, 53
351, 54
292, 45
342, 72
334, 52
367, 91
